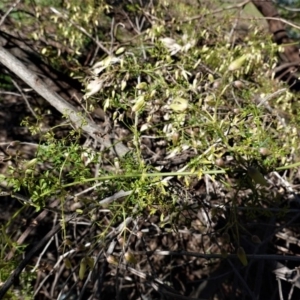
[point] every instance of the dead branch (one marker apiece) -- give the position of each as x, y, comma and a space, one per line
277, 28
79, 121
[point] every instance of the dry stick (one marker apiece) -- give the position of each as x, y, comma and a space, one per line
273, 19
14, 276
285, 66
280, 20
59, 103
288, 8
229, 256
55, 267
8, 12
33, 224
239, 5
25, 99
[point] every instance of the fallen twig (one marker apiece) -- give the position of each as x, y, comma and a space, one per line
80, 122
